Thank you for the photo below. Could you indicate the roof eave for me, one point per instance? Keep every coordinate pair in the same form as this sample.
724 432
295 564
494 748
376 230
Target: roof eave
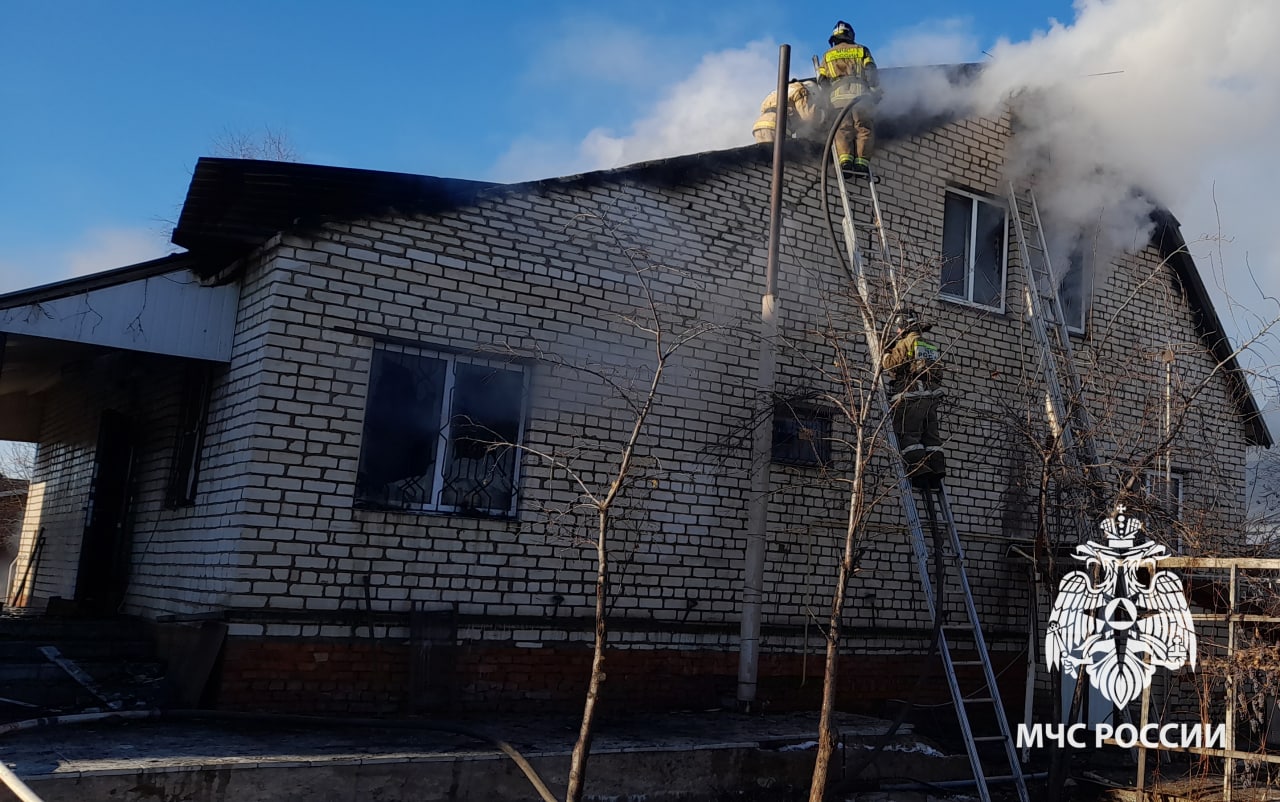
1173 248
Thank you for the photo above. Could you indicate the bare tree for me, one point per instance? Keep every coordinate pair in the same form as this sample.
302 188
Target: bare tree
601 475
858 320
270 144
17 467
17 460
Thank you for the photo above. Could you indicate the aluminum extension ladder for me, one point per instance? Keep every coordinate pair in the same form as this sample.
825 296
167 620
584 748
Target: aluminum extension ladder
951 555
1069 420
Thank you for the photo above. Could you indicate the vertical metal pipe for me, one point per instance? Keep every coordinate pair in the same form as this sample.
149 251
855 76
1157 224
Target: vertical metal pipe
1228 767
775 197
762 442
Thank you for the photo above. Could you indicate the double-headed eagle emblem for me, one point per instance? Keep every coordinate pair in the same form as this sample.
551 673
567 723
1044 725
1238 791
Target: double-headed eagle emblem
1132 620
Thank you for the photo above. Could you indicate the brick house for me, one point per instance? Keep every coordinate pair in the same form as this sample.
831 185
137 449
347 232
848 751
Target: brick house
284 427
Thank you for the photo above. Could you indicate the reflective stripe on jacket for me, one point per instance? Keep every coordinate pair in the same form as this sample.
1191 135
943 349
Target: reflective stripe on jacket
915 366
851 70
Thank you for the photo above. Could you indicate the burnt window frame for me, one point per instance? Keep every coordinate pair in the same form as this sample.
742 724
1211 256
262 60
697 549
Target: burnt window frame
801 414
443 429
1074 272
975 201
1079 263
194 400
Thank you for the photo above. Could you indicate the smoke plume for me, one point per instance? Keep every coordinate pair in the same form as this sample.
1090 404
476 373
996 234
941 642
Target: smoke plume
1146 102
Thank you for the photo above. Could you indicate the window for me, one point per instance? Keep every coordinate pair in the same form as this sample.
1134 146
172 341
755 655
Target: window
1072 258
974 249
1165 494
801 435
439 432
1073 289
193 411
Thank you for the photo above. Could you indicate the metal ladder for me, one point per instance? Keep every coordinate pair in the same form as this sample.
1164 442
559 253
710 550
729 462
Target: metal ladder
937 505
1068 418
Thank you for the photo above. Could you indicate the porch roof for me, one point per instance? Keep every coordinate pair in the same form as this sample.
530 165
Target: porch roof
155 307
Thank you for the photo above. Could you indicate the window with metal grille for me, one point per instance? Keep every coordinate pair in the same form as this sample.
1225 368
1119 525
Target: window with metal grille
974 249
440 433
801 435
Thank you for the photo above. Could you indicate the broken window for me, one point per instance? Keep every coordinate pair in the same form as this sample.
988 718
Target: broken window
193 412
440 432
973 249
1073 289
1071 258
801 435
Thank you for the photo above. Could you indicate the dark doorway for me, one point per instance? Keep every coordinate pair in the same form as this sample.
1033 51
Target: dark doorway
105 550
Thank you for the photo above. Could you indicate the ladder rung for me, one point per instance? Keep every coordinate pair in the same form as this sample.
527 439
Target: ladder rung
977 700
988 738
967 663
1003 777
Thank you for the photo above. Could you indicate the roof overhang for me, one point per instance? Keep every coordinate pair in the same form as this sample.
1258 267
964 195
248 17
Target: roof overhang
158 307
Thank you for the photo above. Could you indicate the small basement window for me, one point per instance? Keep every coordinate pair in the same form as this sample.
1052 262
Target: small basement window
440 433
801 435
974 249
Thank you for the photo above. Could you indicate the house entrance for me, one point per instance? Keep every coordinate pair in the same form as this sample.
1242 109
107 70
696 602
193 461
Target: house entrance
105 548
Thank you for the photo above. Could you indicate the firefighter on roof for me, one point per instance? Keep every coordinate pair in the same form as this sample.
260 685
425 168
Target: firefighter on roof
851 72
805 111
915 371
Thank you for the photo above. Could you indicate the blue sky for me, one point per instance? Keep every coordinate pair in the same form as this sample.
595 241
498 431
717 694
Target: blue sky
107 105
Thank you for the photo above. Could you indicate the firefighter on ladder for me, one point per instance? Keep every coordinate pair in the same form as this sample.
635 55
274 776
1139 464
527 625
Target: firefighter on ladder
851 73
805 111
915 371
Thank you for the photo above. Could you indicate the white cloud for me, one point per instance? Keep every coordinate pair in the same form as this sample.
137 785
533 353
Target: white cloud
594 49
106 248
97 249
713 108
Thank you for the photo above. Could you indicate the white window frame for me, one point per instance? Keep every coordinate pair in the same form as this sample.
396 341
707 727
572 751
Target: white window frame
972 239
452 360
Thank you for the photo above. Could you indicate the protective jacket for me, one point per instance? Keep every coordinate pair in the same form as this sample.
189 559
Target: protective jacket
916 369
852 73
804 105
915 366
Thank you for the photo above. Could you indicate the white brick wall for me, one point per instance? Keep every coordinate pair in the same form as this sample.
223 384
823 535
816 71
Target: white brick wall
523 269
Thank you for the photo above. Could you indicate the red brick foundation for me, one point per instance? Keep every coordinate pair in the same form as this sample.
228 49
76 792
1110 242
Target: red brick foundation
344 676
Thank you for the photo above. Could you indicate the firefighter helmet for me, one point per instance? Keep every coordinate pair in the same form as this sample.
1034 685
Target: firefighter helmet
843 32
907 320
